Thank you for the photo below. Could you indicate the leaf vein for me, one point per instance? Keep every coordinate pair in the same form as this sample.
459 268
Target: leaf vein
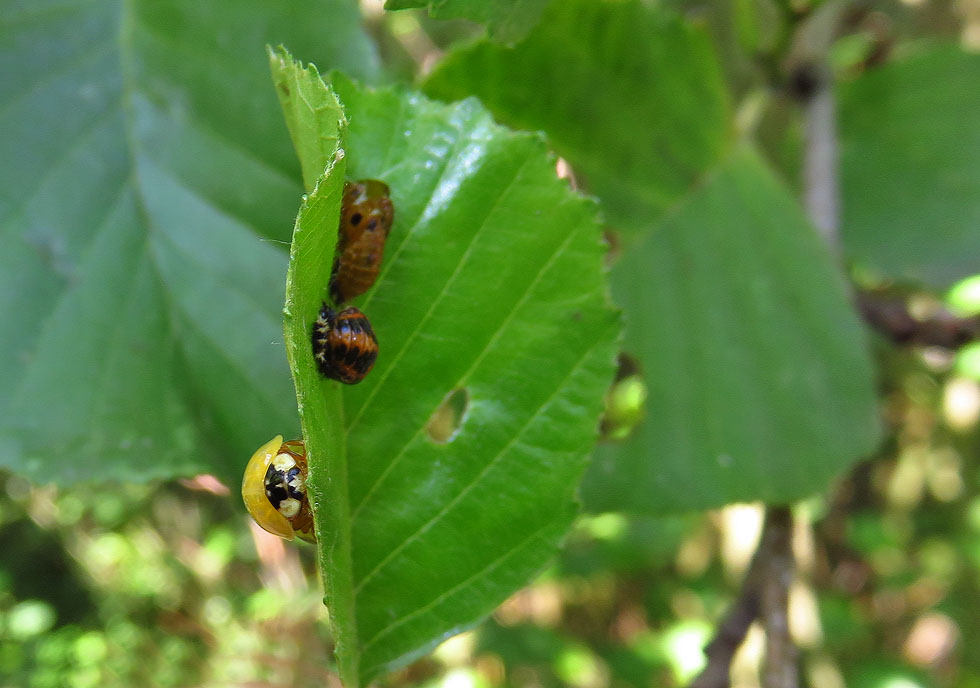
50 320
483 572
559 388
79 140
559 250
91 52
442 293
386 266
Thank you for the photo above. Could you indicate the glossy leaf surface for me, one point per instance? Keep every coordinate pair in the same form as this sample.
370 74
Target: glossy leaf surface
142 161
910 162
632 96
759 385
506 20
492 283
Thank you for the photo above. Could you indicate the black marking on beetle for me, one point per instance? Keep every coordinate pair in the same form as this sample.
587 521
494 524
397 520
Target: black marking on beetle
281 485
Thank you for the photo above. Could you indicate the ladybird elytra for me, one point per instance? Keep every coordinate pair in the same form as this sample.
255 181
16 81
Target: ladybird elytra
274 489
344 345
366 216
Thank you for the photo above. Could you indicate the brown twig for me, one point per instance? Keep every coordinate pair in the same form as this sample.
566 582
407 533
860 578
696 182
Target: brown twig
890 315
780 669
822 196
811 83
763 593
731 632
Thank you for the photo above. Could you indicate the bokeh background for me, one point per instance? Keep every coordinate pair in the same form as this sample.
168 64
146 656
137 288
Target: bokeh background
169 584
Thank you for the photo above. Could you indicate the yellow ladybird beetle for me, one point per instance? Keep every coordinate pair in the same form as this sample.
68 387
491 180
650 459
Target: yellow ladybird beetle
274 489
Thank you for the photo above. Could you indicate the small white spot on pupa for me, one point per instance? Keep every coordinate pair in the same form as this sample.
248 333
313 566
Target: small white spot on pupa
724 460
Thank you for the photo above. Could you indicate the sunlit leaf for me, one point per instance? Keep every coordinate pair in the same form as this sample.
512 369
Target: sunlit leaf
492 283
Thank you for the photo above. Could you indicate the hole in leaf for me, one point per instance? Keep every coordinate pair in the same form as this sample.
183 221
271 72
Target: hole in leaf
447 419
625 401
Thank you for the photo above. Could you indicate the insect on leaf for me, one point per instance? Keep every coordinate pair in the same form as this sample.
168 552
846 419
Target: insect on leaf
491 299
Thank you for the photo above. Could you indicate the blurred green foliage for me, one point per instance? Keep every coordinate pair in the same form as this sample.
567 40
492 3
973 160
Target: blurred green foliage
165 586
147 586
110 584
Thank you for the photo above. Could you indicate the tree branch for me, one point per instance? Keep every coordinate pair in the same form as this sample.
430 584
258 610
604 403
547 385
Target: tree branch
780 669
763 594
889 314
821 195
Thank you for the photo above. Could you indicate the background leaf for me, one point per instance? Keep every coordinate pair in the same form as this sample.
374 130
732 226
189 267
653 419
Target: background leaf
910 163
759 382
506 20
631 95
492 285
144 157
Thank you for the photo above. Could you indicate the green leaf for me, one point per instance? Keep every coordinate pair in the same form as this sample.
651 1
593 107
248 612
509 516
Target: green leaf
311 107
631 95
910 162
759 382
313 115
506 20
143 160
492 291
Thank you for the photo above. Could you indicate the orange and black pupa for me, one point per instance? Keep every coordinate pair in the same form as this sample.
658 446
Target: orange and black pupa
344 345
366 216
